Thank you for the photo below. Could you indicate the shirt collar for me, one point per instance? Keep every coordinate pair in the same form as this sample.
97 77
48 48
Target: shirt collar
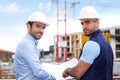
32 38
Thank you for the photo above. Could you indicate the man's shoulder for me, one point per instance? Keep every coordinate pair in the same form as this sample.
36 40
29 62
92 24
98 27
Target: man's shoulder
91 42
24 41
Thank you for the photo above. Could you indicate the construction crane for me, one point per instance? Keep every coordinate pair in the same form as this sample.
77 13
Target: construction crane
65 36
73 6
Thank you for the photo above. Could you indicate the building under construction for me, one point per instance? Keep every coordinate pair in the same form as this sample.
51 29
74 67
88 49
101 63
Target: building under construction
75 42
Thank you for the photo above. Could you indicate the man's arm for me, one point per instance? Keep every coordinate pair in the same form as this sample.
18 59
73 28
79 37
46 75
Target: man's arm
90 52
78 70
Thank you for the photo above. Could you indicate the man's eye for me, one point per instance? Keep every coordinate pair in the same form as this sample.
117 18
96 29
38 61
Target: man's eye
82 23
87 22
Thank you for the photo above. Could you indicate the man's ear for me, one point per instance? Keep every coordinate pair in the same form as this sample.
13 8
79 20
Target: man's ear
97 21
28 26
97 24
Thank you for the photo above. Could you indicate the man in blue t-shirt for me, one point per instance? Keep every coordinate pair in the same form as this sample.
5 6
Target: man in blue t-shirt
96 58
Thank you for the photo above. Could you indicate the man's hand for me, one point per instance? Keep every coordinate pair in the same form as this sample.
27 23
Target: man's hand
53 77
64 74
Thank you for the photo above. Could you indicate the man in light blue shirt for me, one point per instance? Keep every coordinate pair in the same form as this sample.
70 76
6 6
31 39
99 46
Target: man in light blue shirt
27 64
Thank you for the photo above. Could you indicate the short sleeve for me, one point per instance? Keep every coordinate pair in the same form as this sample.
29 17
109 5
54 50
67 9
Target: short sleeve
91 51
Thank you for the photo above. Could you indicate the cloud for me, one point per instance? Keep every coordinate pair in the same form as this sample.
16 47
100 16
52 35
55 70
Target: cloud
48 6
109 21
103 1
43 6
12 8
10 37
9 42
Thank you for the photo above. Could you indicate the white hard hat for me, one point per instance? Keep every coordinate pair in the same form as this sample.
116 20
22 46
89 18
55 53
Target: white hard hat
38 17
88 12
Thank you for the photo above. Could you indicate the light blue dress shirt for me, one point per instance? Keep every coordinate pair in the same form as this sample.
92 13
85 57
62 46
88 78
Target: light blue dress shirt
90 52
27 64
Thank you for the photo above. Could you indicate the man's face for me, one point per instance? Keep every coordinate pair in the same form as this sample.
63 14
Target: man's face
36 29
89 26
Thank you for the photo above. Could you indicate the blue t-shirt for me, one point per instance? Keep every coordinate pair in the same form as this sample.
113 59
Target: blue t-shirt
90 52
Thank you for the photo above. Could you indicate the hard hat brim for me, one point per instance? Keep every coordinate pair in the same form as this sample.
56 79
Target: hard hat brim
39 22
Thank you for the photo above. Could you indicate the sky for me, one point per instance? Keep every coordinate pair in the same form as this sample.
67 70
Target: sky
14 13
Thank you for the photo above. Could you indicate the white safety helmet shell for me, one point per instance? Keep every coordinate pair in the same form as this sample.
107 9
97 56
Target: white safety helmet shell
38 17
88 12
